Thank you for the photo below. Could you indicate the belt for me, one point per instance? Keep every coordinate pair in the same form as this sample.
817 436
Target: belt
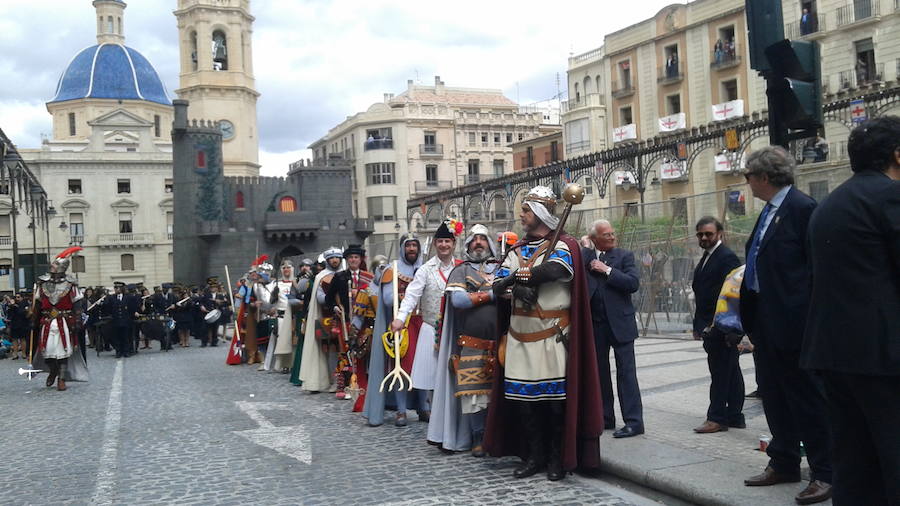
541 313
540 335
53 313
475 342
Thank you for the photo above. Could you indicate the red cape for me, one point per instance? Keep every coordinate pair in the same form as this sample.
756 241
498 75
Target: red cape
584 409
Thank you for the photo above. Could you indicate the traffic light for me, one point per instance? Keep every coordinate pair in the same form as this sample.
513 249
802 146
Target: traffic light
766 27
795 87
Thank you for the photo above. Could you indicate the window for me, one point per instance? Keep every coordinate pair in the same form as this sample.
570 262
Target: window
529 156
287 204
168 185
631 208
484 138
577 93
124 185
625 116
170 224
431 175
377 138
125 223
498 167
577 135
219 50
78 263
818 190
471 138
201 159
673 104
496 139
380 173
588 185
5 228
382 208
127 261
624 68
171 261
71 123
865 61
76 225
430 138
521 136
672 65
509 138
554 151
74 187
473 168
729 90
239 200
156 129
4 188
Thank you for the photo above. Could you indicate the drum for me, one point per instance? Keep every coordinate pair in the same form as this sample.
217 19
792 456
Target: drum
212 316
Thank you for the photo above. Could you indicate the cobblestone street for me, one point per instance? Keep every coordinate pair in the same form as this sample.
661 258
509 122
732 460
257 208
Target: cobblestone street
182 427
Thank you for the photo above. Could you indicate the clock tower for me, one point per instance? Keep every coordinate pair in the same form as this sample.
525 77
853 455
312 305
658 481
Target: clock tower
215 40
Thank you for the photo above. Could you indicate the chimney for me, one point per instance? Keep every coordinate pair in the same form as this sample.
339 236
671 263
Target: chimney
438 86
409 84
181 121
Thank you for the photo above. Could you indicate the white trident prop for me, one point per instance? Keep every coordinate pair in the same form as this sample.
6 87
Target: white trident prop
397 374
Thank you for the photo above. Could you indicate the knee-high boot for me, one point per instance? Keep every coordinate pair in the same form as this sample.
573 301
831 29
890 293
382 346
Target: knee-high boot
532 423
62 365
556 421
54 371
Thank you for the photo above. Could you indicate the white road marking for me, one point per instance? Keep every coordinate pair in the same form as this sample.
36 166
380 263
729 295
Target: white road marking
291 441
106 473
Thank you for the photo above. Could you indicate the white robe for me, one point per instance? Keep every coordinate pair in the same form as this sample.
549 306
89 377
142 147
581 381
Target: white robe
314 371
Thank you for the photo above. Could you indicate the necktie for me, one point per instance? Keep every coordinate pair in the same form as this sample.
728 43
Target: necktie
703 259
355 279
750 270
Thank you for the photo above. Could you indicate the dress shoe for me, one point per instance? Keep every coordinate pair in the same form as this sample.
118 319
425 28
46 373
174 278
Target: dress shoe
771 477
816 491
51 378
738 425
627 431
710 427
400 421
61 386
528 468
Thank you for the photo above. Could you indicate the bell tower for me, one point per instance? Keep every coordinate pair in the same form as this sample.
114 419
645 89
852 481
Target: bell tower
215 39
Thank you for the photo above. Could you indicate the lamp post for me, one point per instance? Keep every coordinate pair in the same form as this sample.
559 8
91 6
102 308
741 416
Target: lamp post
33 250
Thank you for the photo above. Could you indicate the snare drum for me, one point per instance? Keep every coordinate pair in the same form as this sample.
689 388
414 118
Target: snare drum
212 316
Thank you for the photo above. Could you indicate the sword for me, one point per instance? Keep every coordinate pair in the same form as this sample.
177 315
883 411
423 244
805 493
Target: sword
31 372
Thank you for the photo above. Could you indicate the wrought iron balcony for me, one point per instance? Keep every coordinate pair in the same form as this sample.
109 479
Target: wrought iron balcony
472 178
863 76
431 150
582 101
814 25
430 186
379 144
859 10
125 240
5 240
669 74
622 89
726 57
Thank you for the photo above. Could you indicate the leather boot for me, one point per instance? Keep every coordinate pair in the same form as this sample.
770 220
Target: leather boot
531 422
61 368
54 371
554 460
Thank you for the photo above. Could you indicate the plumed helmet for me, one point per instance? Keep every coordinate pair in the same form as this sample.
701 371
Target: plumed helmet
61 263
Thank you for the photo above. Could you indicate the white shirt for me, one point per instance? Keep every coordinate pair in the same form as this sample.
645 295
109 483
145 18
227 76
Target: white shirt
710 252
600 257
417 287
774 204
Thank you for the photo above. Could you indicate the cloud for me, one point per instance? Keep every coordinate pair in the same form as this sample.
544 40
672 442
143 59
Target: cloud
316 61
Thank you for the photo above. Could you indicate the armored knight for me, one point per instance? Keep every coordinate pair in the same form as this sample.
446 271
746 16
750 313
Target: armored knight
55 296
321 334
287 304
263 298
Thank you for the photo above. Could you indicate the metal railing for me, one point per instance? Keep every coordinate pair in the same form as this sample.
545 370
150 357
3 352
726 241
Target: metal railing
727 56
76 239
622 89
862 76
589 100
669 74
379 144
432 186
431 150
5 240
124 239
858 11
472 178
796 29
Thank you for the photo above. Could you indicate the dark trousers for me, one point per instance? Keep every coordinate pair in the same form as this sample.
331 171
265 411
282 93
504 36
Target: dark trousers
865 417
626 378
795 409
726 392
124 335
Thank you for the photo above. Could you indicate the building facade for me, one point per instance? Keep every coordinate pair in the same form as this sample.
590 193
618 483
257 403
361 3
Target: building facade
424 140
216 54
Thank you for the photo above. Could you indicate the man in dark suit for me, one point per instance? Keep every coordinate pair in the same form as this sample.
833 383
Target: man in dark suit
612 278
726 391
122 309
774 302
853 329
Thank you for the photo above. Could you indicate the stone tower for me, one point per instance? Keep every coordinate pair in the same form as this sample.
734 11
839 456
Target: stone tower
215 39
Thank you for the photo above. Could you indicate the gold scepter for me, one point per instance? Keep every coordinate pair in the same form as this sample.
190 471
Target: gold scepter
397 374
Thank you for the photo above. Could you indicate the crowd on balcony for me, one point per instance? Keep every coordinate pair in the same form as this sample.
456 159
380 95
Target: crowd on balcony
377 142
724 51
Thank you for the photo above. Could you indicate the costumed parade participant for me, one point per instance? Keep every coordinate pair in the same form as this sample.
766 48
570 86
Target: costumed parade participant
263 298
426 292
545 402
280 353
380 358
352 298
304 286
467 358
320 336
54 298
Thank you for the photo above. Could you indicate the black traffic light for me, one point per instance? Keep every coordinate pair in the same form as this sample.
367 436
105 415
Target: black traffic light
795 86
766 27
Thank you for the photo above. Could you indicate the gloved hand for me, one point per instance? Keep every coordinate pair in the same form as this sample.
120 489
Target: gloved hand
500 287
547 271
526 294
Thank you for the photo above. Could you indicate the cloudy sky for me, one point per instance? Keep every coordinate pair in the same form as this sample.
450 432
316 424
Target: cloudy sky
318 61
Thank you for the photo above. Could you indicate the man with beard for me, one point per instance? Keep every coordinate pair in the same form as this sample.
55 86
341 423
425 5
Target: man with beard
426 293
351 297
320 341
468 350
379 359
546 392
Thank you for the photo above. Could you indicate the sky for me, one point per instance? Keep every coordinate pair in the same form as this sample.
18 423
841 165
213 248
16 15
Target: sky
316 61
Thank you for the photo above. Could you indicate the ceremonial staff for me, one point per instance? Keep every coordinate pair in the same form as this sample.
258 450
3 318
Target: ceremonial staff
397 374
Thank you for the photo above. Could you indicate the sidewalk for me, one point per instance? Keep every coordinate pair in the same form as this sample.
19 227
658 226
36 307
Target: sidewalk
670 457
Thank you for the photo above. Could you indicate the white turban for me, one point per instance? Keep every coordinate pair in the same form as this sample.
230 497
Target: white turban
538 199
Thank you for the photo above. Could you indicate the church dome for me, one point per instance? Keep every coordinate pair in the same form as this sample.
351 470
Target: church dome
111 71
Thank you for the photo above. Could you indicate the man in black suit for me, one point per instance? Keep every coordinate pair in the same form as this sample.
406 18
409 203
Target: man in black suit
774 302
612 278
726 392
122 309
853 329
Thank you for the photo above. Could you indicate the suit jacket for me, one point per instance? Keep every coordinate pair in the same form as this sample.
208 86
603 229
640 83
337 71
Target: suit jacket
610 296
708 283
854 315
121 312
777 314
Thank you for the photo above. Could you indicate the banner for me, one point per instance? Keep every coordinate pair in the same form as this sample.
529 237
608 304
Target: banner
672 122
621 176
724 162
624 133
728 110
675 169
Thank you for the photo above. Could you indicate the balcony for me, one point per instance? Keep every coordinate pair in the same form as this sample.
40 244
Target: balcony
378 144
622 89
76 239
432 186
669 74
472 178
813 27
860 10
726 57
860 77
580 102
125 240
431 150
5 240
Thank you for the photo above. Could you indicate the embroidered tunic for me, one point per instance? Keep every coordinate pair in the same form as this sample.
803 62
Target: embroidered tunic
535 365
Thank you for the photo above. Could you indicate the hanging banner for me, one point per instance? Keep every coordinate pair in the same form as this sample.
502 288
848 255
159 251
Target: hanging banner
723 163
624 133
621 177
728 110
672 122
676 169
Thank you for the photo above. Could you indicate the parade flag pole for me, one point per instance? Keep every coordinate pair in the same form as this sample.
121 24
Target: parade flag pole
234 352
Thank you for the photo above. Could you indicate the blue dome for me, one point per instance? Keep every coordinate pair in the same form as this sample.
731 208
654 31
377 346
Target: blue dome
110 71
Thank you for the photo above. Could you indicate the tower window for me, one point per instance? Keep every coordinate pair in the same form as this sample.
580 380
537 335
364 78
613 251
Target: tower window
156 129
109 25
71 123
193 43
239 200
123 186
127 261
219 50
287 204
